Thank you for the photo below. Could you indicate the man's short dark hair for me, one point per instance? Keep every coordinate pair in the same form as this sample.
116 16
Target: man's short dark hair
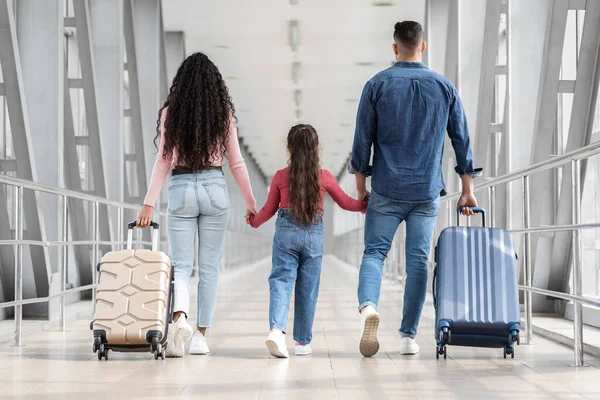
409 34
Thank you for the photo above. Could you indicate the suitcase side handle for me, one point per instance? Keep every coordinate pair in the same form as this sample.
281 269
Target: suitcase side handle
132 225
476 210
433 287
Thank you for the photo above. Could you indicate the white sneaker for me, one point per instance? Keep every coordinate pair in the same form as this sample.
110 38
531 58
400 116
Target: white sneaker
408 346
303 350
276 344
199 345
180 332
369 322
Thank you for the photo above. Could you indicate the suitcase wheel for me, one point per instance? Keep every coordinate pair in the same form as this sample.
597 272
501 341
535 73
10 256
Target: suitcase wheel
102 352
509 350
157 348
440 350
513 337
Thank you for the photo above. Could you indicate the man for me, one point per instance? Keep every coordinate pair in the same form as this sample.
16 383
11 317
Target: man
404 113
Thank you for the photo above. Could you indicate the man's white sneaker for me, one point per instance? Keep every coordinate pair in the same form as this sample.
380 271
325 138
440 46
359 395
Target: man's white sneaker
303 350
369 345
408 346
276 344
199 345
180 332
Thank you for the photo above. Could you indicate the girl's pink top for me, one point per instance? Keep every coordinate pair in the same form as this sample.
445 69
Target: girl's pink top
234 157
279 196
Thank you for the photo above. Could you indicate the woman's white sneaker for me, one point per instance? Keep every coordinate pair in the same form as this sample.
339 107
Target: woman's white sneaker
180 332
276 344
369 322
199 345
303 350
408 346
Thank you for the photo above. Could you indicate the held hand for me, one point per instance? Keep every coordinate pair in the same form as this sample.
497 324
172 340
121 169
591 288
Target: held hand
249 212
467 200
145 216
363 195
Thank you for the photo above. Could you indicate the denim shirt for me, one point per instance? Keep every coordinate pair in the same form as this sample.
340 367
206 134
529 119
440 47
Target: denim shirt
404 113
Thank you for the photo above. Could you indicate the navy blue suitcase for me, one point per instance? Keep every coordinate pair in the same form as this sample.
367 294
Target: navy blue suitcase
475 292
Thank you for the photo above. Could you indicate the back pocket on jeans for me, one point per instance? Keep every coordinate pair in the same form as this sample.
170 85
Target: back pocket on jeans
217 192
177 194
286 238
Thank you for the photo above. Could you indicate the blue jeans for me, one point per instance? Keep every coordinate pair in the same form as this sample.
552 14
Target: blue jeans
297 258
197 203
383 218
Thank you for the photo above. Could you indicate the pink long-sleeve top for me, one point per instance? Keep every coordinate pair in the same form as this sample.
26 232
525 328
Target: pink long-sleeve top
280 192
237 165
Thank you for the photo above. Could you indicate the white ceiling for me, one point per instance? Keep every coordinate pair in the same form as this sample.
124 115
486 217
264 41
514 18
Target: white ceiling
249 41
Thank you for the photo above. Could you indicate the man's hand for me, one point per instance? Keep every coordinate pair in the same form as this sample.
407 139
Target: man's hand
467 200
145 216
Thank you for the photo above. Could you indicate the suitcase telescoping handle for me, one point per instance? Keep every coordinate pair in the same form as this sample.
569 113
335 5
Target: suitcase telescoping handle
476 210
133 224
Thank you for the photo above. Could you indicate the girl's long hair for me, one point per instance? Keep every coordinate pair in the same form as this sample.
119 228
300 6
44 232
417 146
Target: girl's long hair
199 115
305 190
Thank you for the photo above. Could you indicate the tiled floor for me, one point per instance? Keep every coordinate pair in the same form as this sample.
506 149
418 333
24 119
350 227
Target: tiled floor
61 364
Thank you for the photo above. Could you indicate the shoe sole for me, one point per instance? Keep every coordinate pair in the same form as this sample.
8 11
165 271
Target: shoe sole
369 345
199 353
274 349
303 354
409 352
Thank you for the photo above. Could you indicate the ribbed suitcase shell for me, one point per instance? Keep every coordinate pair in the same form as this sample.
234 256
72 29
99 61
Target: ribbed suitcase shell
476 286
133 296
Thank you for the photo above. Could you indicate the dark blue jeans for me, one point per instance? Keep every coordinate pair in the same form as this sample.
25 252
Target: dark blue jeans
383 218
297 259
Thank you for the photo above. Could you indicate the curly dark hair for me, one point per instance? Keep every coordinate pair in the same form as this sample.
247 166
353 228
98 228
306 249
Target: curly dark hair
305 189
200 112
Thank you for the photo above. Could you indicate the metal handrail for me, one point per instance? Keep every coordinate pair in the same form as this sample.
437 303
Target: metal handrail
41 187
588 301
46 299
546 165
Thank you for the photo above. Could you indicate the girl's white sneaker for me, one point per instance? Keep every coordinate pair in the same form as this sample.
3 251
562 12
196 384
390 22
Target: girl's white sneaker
276 344
303 350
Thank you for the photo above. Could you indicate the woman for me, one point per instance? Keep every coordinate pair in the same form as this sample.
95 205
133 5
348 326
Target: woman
196 127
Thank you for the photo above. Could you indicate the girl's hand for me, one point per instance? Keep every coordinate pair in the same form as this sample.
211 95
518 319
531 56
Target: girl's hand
145 216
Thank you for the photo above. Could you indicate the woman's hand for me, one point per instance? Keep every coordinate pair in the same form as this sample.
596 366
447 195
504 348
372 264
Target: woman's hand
145 216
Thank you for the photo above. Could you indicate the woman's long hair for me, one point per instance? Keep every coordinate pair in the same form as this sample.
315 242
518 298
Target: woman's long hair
199 114
305 190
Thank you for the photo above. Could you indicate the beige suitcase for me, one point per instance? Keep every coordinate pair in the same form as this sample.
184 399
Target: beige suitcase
134 299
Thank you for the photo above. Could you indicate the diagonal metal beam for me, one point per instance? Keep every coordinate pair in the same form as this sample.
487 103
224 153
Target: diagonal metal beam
81 9
134 104
580 134
545 125
486 86
79 229
10 63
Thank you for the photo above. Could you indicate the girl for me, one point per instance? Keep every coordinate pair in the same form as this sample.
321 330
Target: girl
197 129
297 191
